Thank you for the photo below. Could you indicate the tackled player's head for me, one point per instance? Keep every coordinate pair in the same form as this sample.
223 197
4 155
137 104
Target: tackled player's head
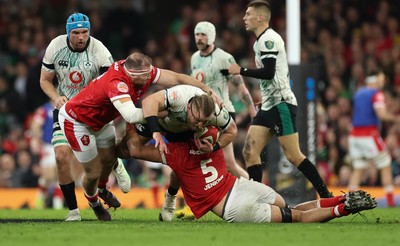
201 108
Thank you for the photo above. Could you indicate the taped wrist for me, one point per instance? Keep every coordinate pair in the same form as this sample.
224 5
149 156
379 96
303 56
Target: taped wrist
152 121
216 147
129 112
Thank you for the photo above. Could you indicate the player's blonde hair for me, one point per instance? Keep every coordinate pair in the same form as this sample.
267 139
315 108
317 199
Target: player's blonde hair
204 103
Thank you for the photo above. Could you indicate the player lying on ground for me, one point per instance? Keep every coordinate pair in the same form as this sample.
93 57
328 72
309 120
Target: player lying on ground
208 186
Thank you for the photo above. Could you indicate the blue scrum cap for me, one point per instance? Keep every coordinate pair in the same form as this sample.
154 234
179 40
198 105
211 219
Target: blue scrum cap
77 20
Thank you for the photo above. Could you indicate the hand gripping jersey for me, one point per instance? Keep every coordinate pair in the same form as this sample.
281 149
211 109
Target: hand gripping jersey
204 178
93 105
207 69
270 45
74 70
177 99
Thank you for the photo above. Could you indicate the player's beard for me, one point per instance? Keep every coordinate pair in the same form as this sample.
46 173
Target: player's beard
79 46
202 47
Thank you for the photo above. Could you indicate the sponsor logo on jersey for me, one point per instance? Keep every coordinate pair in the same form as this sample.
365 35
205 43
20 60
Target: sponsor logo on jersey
85 140
122 87
75 77
196 152
140 127
173 96
200 76
269 44
87 65
63 64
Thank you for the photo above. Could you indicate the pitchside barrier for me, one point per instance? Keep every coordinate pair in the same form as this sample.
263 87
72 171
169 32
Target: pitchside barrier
138 197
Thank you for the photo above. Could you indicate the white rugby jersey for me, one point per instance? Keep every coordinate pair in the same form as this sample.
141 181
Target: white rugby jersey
271 45
74 70
176 101
207 69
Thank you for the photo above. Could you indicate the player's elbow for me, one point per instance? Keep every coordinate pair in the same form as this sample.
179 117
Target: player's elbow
232 129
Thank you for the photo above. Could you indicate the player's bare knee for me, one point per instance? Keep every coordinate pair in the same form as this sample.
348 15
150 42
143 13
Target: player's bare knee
62 155
295 159
92 174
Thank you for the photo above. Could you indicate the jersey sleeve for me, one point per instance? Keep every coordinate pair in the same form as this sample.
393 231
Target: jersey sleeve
175 97
48 59
230 59
192 59
104 55
378 100
155 74
221 119
117 89
268 46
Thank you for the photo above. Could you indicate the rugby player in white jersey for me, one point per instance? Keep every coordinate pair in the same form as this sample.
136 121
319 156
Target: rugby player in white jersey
75 59
189 109
277 115
210 65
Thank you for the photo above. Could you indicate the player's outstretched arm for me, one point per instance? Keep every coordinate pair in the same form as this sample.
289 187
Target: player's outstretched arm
139 151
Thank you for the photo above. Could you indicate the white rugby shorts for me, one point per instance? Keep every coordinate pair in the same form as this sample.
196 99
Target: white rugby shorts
249 201
82 139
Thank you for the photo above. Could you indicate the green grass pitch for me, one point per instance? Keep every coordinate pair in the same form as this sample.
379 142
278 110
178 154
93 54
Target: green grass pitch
140 227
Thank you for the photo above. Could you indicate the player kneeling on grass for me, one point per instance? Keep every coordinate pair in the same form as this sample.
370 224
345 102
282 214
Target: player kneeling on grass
208 186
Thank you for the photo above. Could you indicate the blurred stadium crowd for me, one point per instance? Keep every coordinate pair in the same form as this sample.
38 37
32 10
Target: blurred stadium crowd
344 39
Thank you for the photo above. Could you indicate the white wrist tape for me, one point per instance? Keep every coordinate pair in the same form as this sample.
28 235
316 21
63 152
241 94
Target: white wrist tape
129 112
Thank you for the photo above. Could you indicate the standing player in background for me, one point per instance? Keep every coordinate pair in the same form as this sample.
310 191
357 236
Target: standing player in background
210 65
277 115
365 141
75 59
41 130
